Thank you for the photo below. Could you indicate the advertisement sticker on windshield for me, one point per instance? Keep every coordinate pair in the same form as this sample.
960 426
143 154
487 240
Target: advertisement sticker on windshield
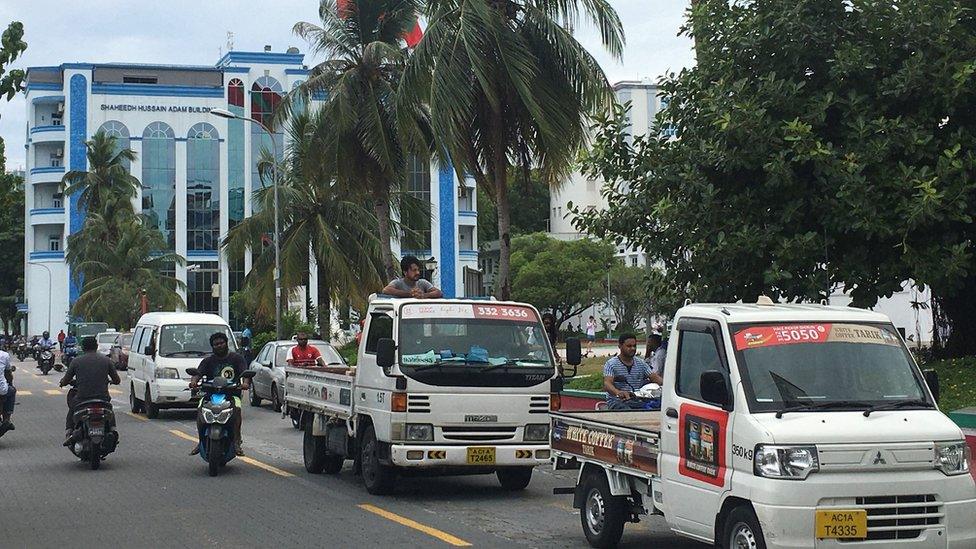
467 310
791 334
504 312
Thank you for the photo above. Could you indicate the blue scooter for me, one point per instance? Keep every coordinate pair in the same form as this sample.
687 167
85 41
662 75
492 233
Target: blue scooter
214 421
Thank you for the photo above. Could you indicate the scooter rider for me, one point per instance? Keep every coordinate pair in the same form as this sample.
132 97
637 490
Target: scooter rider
46 342
230 366
91 373
8 393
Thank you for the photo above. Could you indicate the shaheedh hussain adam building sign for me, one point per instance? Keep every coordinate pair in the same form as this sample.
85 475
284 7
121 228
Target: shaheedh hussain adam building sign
197 171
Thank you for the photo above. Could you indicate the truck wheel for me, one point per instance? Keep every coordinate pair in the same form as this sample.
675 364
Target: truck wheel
378 478
742 530
514 479
135 405
602 514
152 411
313 450
255 400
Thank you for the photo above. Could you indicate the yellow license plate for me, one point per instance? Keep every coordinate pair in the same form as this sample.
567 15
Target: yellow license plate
481 456
842 524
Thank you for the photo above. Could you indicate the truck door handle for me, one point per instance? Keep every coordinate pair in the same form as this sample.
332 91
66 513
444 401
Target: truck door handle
671 412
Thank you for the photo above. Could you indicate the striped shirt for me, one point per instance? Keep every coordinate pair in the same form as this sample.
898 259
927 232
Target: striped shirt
636 376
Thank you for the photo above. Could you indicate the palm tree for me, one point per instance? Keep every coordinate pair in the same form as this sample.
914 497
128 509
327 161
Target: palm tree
364 139
321 217
508 86
116 273
107 187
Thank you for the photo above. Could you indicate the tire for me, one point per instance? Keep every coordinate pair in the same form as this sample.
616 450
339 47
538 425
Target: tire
316 455
296 417
152 410
602 514
215 456
378 478
742 530
94 459
135 405
514 479
275 399
255 400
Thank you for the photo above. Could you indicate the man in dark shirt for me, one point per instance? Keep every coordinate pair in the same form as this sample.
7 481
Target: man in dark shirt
229 366
91 373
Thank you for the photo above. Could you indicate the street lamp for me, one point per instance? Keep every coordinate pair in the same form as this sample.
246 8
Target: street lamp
224 113
50 292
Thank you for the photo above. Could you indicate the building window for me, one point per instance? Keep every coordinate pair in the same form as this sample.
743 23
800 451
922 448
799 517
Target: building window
235 154
265 96
466 238
116 129
54 243
417 223
159 179
202 188
139 80
201 281
56 200
235 282
235 93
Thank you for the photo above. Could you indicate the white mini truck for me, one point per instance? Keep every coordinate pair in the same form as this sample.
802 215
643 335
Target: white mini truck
441 387
781 426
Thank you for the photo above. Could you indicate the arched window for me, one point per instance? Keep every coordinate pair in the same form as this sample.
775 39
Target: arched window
117 130
202 187
235 92
159 179
299 102
265 96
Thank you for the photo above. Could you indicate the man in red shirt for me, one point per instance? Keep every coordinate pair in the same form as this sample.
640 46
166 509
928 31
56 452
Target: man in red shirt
304 355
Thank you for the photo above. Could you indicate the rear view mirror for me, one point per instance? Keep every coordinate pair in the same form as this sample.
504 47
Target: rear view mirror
150 350
385 353
574 355
714 388
193 371
248 374
932 380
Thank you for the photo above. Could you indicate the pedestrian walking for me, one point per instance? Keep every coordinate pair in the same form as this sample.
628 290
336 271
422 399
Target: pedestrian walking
590 335
61 337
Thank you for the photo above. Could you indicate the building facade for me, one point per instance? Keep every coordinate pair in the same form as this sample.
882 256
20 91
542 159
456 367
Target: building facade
197 171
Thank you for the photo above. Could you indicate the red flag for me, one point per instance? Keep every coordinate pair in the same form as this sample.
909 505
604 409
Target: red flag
413 37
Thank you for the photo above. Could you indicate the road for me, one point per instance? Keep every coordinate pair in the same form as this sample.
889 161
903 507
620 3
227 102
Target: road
150 493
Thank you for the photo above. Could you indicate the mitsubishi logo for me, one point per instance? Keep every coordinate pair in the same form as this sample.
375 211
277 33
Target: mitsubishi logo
878 460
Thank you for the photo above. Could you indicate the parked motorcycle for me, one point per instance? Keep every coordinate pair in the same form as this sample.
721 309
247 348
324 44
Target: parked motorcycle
94 436
45 360
215 421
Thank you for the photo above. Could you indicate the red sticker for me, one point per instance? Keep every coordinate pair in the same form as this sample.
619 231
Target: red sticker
787 334
505 312
702 443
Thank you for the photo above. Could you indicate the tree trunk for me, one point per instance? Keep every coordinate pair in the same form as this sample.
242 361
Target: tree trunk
499 173
959 307
324 304
381 208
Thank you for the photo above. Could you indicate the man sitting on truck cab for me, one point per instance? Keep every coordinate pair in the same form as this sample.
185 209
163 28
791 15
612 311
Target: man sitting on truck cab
410 284
304 355
632 367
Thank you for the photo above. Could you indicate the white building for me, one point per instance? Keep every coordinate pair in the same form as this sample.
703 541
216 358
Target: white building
195 170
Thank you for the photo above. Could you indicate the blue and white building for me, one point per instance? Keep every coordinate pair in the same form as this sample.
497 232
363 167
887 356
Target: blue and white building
198 172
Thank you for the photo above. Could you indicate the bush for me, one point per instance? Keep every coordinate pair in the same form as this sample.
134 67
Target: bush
592 382
349 352
957 381
259 340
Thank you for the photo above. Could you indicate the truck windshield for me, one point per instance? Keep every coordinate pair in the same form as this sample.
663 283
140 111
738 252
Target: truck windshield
825 366
466 344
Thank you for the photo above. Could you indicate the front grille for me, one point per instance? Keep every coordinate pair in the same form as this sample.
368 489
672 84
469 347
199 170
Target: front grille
479 433
899 517
418 404
539 405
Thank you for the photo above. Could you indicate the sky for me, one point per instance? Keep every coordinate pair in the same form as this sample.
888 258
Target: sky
195 33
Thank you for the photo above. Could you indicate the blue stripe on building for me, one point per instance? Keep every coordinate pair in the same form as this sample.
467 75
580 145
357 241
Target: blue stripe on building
448 227
79 159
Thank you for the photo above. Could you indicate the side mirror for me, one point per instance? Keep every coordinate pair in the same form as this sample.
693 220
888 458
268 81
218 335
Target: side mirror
247 375
150 350
714 388
932 380
385 353
193 371
574 354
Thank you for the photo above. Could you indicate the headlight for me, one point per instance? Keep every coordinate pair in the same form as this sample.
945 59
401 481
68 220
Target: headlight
536 431
952 458
786 462
420 431
208 416
167 373
224 415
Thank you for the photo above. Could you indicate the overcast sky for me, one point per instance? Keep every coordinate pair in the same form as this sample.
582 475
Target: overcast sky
195 33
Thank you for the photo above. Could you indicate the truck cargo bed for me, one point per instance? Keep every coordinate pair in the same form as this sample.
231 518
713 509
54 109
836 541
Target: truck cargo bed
649 421
626 441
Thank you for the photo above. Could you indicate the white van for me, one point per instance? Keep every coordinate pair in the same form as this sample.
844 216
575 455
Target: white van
164 346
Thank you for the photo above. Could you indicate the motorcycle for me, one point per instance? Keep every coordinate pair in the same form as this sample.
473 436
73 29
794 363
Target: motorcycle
94 436
214 421
22 351
45 360
69 354
648 396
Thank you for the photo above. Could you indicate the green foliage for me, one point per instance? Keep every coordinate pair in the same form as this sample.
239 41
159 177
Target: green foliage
529 199
628 295
350 353
12 45
509 85
11 246
590 382
817 144
107 187
260 339
957 381
558 276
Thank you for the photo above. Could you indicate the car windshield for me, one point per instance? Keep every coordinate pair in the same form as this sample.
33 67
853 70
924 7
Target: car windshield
479 338
107 338
190 339
828 365
329 354
126 340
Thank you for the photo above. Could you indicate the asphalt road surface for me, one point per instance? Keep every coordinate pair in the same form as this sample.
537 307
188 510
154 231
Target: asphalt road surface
150 493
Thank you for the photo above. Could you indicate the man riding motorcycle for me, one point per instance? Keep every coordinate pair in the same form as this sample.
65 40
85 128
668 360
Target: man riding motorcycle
91 373
230 366
8 393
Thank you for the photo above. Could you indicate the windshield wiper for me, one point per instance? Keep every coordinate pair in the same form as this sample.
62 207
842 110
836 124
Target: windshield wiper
513 363
190 353
822 406
897 404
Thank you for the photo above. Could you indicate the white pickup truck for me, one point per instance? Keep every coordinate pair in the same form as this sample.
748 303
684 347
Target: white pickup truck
782 426
441 387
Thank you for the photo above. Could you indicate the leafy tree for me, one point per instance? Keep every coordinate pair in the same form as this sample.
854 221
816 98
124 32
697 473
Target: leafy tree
529 200
319 215
508 85
817 144
11 246
12 45
628 294
365 139
107 187
561 277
